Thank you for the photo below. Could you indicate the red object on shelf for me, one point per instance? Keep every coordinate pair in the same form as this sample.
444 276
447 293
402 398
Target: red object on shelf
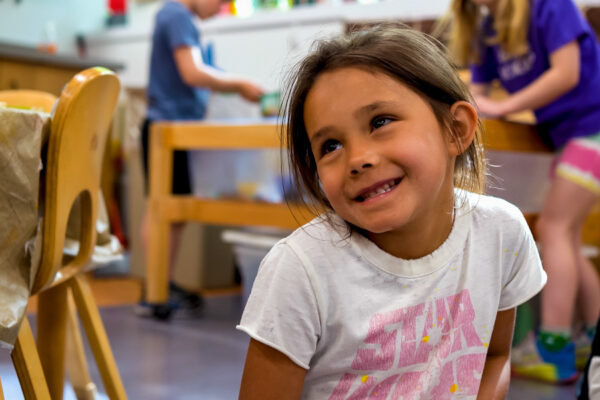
117 7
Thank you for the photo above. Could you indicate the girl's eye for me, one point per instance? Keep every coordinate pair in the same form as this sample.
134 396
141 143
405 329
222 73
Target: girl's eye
378 122
330 145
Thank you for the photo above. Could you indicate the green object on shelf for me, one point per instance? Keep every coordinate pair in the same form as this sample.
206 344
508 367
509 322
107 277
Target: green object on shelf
270 104
523 323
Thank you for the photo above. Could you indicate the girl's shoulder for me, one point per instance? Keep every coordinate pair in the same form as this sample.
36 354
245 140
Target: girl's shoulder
311 245
326 227
494 210
546 10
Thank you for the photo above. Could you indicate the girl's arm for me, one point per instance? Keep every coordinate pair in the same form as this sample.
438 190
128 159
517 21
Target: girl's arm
561 77
496 372
479 89
270 374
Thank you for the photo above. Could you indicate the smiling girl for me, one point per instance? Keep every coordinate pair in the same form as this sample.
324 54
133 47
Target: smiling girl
406 287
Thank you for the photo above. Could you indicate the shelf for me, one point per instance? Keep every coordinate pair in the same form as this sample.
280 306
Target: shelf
232 212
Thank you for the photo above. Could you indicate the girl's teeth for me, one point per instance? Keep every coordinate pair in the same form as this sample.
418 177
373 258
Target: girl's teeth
385 188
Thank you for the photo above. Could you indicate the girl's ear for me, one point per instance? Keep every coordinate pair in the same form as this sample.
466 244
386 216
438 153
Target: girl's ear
464 126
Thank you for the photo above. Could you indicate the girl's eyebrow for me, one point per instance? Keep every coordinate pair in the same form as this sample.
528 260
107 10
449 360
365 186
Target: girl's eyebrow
369 108
321 132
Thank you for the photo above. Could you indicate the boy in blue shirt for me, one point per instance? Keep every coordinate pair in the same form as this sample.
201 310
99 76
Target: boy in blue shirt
179 86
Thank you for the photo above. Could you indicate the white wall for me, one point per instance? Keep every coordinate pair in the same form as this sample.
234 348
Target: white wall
23 23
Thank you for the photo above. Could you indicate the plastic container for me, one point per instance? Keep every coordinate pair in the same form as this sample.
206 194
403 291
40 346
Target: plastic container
243 174
249 248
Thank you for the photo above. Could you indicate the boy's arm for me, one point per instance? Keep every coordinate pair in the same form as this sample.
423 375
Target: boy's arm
561 77
270 374
195 73
496 372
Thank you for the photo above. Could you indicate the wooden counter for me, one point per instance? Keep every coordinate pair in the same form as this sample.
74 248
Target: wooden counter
26 68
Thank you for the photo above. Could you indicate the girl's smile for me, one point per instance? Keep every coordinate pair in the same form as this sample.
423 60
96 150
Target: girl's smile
384 162
377 190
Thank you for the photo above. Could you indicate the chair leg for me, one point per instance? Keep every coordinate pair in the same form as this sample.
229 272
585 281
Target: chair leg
28 365
76 363
1 391
51 331
94 329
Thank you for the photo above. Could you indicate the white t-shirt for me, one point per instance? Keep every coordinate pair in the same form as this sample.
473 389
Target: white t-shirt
366 323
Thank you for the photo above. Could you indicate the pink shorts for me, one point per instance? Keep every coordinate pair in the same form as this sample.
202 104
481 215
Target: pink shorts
579 162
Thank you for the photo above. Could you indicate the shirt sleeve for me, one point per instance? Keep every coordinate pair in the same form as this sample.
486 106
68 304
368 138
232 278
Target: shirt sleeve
180 31
524 276
282 310
486 71
559 22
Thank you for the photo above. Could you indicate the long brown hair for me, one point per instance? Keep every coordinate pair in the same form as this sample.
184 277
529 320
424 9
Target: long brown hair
511 23
412 58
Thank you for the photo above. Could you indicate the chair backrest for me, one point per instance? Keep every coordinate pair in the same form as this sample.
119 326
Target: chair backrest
33 99
77 140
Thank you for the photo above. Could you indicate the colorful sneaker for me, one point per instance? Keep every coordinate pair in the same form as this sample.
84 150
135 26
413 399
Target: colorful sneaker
525 352
583 348
531 360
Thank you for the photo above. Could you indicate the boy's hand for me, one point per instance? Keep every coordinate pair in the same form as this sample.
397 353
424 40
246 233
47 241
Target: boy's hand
250 91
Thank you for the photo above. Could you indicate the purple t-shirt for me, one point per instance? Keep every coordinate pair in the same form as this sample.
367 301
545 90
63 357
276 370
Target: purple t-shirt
554 23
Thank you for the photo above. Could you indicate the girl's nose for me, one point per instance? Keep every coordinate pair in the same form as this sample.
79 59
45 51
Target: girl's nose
363 161
357 170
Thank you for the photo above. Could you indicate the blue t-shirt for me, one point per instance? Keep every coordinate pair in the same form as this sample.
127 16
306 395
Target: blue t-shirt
169 97
554 23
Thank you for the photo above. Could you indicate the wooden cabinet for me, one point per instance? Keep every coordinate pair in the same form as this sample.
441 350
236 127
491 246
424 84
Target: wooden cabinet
24 75
26 68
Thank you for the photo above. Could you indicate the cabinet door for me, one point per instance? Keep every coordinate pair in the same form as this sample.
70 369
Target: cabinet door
17 76
267 54
21 75
53 79
133 52
264 54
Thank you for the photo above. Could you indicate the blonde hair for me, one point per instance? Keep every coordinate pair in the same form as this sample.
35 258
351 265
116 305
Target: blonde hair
511 23
411 57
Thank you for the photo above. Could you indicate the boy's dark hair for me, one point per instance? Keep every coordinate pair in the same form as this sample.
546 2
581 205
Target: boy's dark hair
409 56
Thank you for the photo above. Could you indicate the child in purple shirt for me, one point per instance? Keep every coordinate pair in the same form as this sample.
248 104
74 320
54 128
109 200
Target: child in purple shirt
547 57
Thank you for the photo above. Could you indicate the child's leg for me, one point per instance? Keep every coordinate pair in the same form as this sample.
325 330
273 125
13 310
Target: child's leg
566 207
588 291
553 355
574 191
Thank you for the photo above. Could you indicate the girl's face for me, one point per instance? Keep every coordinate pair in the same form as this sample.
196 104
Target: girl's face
487 3
383 160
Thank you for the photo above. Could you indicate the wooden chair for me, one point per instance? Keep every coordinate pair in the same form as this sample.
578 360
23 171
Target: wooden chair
76 363
77 137
33 99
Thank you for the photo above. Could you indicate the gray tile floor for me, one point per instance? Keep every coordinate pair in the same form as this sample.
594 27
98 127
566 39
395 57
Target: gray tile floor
198 358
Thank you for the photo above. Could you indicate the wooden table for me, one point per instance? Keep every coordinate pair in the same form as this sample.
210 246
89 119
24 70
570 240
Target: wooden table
165 208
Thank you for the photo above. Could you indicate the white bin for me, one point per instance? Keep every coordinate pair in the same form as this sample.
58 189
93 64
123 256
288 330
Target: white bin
246 174
249 248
